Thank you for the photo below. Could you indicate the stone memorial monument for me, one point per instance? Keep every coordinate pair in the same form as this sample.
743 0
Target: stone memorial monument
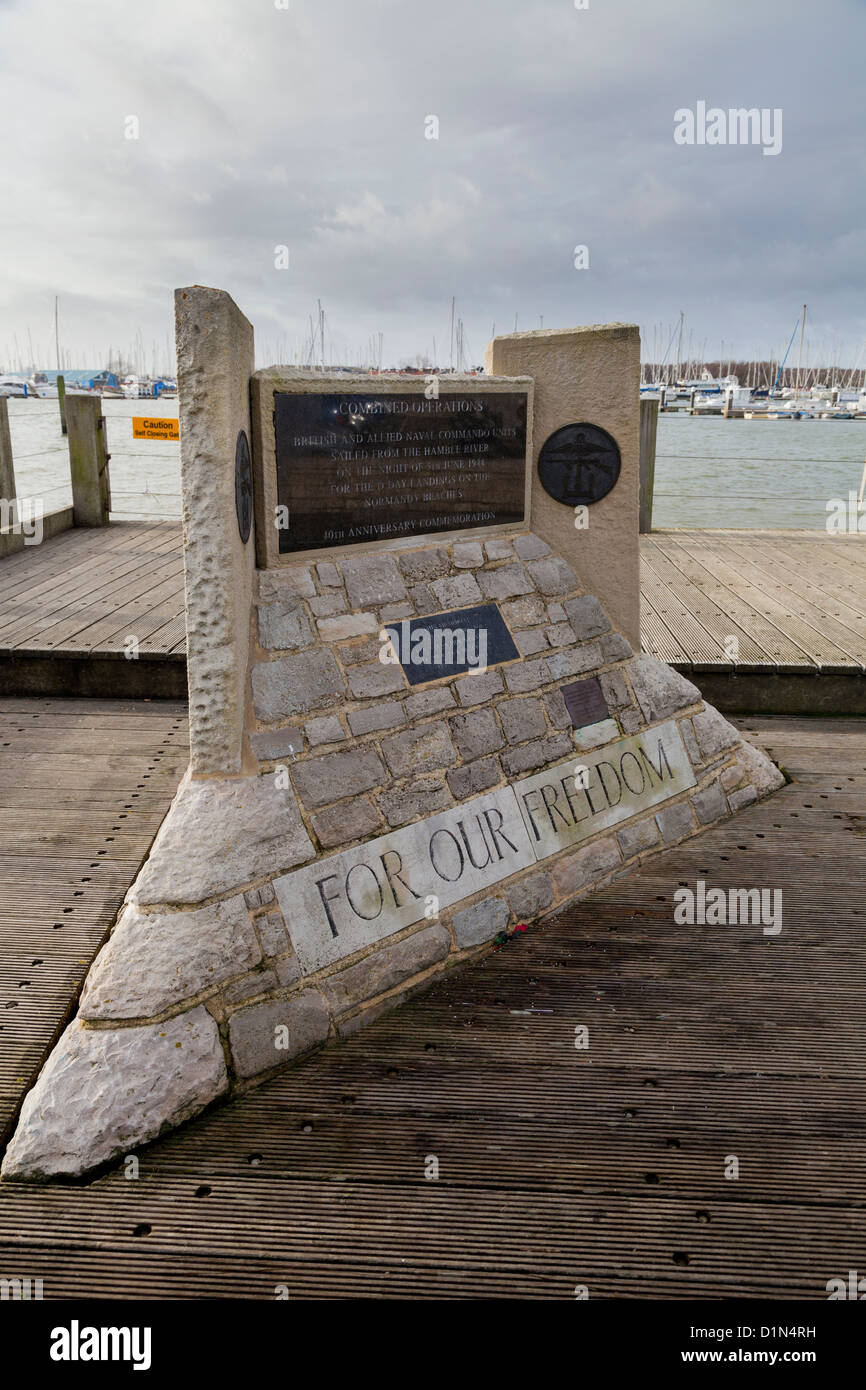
419 715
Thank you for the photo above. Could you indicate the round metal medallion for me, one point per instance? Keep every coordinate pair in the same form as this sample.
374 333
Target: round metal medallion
243 486
579 464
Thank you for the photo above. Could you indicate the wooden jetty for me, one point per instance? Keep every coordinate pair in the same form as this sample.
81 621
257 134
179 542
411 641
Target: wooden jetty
791 605
84 786
557 1167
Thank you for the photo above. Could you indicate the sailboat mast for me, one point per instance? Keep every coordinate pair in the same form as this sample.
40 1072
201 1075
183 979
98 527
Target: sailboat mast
800 353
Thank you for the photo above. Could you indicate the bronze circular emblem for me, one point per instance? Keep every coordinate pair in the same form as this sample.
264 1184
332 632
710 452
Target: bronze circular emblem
579 464
243 486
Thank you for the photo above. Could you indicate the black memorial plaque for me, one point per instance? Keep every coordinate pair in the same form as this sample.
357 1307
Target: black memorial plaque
448 644
579 464
585 702
243 486
355 467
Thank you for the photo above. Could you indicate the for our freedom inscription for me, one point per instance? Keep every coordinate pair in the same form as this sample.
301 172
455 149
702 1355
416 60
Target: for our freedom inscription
354 467
351 900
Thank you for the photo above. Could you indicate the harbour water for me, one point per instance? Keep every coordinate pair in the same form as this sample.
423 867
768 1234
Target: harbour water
709 471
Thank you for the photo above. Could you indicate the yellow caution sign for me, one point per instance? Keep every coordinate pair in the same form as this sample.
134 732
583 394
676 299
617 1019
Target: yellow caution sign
143 427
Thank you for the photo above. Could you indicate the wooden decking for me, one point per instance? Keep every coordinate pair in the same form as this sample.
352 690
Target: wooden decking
557 1167
69 606
84 786
785 601
757 616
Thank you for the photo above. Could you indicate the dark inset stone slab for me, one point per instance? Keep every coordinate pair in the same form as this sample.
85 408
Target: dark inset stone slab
449 644
585 702
361 467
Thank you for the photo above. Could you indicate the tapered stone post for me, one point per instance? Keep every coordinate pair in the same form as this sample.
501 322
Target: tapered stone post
587 376
215 361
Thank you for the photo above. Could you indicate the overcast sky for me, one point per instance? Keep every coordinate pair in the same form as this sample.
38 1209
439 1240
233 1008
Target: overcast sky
305 127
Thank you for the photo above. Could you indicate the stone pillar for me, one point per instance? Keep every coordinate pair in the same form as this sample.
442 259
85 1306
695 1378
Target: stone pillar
215 361
7 472
88 461
588 376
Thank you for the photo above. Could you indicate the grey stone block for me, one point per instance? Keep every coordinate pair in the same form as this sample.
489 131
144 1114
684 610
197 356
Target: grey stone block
586 866
744 797
614 689
556 613
461 591
423 599
560 634
276 584
525 612
374 717
356 652
710 804
387 969
574 662
324 605
284 625
421 565
506 582
219 836
326 729
376 679
423 797
296 684
372 580
467 556
531 547
480 923
351 820
288 969
260 982
526 675
419 750
691 742
106 1091
630 720
615 647
476 734
395 612
328 575
256 1031
473 778
428 702
345 625
640 836
499 549
478 688
557 712
334 776
586 616
279 743
553 576
537 754
532 641
522 719
155 961
760 769
674 822
713 732
660 690
272 933
530 896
